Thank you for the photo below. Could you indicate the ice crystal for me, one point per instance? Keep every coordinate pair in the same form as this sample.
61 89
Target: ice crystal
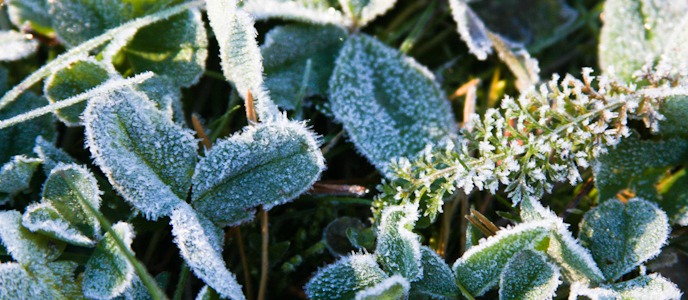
528 275
148 159
17 283
15 45
345 278
108 272
389 104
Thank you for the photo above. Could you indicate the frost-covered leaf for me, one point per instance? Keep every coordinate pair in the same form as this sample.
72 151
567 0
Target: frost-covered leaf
180 55
50 155
620 167
622 236
16 45
651 286
241 61
199 245
364 11
139 291
479 268
62 276
147 158
392 288
25 246
310 11
398 248
108 272
471 29
18 140
389 104
17 283
34 13
72 80
64 214
344 278
528 275
15 175
674 197
166 95
267 164
437 280
575 262
289 51
675 112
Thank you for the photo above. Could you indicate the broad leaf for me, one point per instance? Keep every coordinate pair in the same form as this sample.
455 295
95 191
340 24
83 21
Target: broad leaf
147 158
651 286
267 164
392 288
344 278
108 272
15 176
65 212
241 61
361 12
310 11
389 104
437 280
16 45
166 95
200 246
63 279
17 283
479 268
299 60
25 246
72 80
50 155
528 275
34 13
622 236
398 248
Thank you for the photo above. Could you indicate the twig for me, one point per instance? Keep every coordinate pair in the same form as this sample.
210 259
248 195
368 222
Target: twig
320 188
264 266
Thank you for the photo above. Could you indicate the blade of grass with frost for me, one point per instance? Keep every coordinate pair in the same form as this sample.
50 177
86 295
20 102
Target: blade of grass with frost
242 63
389 104
362 12
480 267
652 286
392 288
16 45
24 246
345 278
15 175
623 236
315 12
199 245
437 280
62 213
81 50
102 89
398 248
528 275
147 158
286 52
108 272
268 164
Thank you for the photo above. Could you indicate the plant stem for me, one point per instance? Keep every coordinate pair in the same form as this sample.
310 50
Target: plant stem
464 291
264 266
244 264
181 283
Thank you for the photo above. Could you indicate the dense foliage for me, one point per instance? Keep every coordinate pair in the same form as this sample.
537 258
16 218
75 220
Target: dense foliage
384 152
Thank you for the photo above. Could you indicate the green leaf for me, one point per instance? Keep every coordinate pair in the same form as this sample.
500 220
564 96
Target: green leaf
148 159
364 11
17 283
50 155
267 164
15 175
479 268
64 214
30 12
620 167
63 278
674 198
200 246
18 140
308 11
16 45
25 246
344 278
287 51
78 77
622 236
651 286
398 248
437 280
392 288
528 275
389 104
166 95
241 61
108 272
